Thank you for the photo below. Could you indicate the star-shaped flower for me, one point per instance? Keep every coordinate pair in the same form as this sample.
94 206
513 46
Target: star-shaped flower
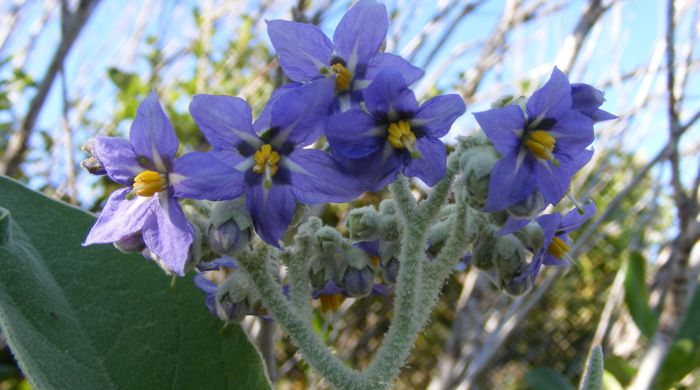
395 135
555 245
543 147
154 181
267 160
352 59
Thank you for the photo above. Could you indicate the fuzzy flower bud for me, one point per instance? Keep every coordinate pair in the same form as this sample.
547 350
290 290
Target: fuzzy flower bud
390 271
509 257
227 238
528 207
358 282
232 298
363 223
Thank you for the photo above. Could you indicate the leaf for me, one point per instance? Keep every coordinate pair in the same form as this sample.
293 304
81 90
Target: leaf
610 382
682 358
92 318
620 368
637 296
593 377
546 378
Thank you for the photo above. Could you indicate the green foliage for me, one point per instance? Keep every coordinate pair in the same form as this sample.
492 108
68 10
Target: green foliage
637 296
91 318
684 355
546 378
620 369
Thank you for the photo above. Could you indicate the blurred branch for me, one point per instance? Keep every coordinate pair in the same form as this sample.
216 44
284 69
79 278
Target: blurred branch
513 14
14 154
573 43
676 302
8 22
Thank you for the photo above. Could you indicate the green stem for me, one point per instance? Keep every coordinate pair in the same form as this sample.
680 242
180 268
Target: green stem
299 329
300 285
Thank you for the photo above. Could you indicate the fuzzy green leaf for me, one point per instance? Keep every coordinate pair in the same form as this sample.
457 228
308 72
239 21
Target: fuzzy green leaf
92 318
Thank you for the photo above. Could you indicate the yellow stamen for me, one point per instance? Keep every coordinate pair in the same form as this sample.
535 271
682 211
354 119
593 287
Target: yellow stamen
401 137
331 302
558 248
266 160
374 260
541 144
148 183
343 77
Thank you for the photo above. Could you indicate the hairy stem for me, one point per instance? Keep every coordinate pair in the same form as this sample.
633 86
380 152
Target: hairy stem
314 351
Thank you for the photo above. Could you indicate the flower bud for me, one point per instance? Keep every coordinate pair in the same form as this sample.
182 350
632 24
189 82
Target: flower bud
509 257
92 164
531 235
232 298
363 223
388 207
131 243
482 256
477 164
227 238
528 207
229 310
390 271
329 239
518 285
358 282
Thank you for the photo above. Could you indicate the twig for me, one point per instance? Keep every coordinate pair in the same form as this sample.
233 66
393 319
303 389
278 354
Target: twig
17 146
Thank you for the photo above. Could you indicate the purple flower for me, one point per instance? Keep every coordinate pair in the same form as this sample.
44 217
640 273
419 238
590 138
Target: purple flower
209 287
396 135
555 246
352 58
267 161
155 180
587 100
543 147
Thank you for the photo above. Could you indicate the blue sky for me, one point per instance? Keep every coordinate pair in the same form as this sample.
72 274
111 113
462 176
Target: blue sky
101 45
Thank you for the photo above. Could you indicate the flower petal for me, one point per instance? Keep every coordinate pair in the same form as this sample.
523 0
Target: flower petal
553 182
355 133
511 181
388 96
118 158
553 99
303 49
504 127
264 120
382 61
436 116
225 121
152 136
431 165
375 171
199 175
317 178
573 219
361 32
272 211
169 234
298 114
573 132
586 100
120 217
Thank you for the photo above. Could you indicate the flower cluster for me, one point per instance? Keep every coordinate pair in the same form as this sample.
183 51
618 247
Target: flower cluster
348 122
346 90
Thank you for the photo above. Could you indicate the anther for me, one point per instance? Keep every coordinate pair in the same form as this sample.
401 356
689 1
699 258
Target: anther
148 183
